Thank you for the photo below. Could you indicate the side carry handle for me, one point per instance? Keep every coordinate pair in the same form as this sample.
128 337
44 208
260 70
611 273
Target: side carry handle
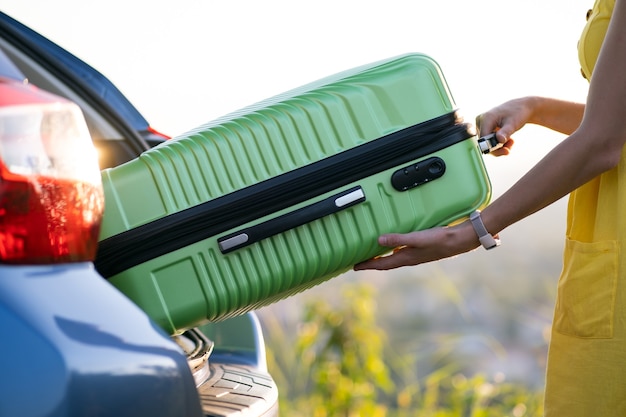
489 143
280 224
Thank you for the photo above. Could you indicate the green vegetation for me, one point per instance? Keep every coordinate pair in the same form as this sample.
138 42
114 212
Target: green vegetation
339 362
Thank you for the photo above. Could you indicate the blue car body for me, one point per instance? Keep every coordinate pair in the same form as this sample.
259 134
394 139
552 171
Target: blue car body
75 346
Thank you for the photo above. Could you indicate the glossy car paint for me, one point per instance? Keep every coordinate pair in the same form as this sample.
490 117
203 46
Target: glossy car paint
93 351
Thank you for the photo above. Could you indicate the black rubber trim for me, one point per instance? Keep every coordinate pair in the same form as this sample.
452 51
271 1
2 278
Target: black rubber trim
167 234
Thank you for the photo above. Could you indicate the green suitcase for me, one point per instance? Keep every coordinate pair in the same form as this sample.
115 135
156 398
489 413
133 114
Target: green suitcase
287 193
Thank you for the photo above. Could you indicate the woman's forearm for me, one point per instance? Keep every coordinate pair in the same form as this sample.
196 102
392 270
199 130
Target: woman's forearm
565 168
559 115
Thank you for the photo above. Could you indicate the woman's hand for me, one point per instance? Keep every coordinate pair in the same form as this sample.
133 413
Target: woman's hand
509 117
505 120
423 246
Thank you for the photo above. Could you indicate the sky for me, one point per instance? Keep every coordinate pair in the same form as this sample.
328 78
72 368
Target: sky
188 62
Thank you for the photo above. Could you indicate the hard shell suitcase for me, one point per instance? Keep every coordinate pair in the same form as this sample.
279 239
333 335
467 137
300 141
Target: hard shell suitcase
287 193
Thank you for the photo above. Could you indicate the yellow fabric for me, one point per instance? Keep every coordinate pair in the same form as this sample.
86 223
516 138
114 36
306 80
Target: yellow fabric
593 35
586 373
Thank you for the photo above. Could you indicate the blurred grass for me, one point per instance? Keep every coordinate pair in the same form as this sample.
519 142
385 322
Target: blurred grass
339 361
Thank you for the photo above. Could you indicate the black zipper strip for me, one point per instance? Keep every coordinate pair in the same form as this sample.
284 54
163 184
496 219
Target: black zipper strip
175 231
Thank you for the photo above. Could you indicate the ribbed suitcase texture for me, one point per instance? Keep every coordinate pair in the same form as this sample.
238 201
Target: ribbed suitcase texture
270 200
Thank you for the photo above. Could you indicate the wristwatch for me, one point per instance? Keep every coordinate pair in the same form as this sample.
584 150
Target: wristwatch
484 237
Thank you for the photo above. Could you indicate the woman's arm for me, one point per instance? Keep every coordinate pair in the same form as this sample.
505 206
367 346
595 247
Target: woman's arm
592 149
507 118
559 115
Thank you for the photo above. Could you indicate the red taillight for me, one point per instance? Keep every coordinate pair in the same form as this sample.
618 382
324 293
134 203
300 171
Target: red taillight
158 134
51 200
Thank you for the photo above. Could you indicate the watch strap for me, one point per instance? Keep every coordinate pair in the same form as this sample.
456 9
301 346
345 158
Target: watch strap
484 237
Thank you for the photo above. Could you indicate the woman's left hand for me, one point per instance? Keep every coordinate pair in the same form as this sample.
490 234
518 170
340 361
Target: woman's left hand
422 246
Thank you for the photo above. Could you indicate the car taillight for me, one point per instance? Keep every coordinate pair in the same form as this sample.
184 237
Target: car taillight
51 199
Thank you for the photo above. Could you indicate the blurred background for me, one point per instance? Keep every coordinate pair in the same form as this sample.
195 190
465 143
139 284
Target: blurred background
187 62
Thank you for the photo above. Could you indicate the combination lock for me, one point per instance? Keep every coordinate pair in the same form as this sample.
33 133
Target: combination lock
418 173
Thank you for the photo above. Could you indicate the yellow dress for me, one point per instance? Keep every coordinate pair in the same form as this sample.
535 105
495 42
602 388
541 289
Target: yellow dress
586 373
